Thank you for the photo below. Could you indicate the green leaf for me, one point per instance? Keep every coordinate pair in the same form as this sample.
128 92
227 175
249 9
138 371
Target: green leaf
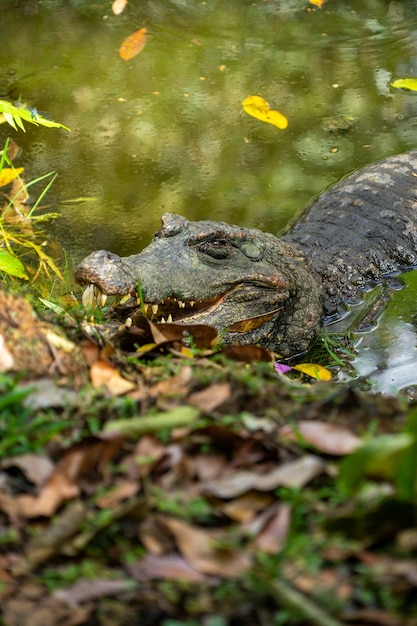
405 84
137 426
378 459
14 115
11 265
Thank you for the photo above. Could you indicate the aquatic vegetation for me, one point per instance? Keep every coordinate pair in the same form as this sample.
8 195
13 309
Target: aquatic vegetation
15 114
20 241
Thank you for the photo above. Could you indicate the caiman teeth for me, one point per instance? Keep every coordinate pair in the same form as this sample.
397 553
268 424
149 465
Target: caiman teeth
173 310
92 296
125 299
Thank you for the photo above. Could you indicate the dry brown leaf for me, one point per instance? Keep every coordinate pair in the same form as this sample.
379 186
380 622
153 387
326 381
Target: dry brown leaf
104 374
145 331
154 536
206 466
123 490
273 536
174 386
91 352
83 462
7 583
85 590
328 438
101 372
247 354
58 489
147 452
212 397
199 547
164 567
6 358
292 474
36 468
244 508
325 581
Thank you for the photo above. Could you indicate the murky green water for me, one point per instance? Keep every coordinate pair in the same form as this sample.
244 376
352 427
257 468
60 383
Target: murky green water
165 131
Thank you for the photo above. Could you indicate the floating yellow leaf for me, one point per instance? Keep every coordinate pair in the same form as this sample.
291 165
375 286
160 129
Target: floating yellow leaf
314 370
8 174
258 107
408 84
317 3
133 44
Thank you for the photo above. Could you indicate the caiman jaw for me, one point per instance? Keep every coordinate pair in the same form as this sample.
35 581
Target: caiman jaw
171 309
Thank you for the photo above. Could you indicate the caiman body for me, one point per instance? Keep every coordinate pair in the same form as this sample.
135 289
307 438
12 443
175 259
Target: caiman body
258 288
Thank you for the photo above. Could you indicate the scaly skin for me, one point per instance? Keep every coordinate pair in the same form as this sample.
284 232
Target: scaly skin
256 288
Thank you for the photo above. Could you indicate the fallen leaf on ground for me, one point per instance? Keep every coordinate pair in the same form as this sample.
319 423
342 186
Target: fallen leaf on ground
292 474
122 491
164 567
104 374
328 438
6 357
314 370
273 536
211 398
35 467
244 508
85 590
200 549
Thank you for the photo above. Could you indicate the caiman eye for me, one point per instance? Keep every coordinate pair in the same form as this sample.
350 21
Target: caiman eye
217 249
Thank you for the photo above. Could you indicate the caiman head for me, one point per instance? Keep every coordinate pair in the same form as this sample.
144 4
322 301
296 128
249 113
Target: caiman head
251 286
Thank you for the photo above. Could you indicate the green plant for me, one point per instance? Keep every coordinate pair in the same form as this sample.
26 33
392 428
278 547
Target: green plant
15 114
20 242
22 430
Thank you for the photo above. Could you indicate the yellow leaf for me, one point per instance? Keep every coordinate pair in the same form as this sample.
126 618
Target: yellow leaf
317 3
258 107
146 347
408 84
133 44
314 370
8 174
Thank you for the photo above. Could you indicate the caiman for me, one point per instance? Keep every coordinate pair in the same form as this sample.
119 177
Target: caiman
255 288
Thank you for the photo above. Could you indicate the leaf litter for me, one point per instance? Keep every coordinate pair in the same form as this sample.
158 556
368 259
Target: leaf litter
184 464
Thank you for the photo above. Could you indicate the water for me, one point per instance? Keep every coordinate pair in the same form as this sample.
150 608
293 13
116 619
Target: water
165 131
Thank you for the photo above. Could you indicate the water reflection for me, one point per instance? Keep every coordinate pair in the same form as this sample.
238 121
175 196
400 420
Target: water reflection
388 357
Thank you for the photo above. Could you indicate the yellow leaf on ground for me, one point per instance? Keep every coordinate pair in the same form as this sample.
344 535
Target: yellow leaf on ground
259 108
133 45
314 370
8 174
317 3
408 84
